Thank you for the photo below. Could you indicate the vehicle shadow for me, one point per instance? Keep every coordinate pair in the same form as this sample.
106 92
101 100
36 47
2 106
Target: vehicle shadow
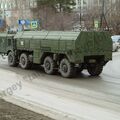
37 71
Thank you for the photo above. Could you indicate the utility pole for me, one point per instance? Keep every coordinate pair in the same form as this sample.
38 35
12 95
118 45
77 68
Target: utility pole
111 11
102 13
80 14
103 18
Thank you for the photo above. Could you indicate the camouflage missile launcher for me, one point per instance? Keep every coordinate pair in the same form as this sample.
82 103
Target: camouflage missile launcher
65 52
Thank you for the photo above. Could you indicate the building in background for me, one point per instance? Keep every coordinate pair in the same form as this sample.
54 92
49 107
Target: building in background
89 4
13 10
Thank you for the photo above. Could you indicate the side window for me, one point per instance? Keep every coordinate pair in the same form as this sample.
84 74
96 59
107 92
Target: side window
9 42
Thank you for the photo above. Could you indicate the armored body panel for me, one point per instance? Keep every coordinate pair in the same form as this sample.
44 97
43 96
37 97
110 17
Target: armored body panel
40 42
75 45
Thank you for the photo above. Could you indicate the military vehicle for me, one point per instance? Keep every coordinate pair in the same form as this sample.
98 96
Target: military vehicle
65 52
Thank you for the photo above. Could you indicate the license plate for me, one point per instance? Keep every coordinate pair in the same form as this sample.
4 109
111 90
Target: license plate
92 61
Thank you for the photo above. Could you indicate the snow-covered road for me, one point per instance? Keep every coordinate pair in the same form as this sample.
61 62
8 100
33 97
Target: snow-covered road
81 98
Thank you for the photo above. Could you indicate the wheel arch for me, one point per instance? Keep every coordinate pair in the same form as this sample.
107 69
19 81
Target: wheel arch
56 56
9 51
19 52
44 55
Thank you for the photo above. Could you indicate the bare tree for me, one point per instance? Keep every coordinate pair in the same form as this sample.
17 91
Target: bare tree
112 16
52 18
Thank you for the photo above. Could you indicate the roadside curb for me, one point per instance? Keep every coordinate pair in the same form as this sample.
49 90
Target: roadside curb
41 109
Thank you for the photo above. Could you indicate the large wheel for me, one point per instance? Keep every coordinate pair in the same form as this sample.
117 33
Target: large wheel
95 69
79 69
12 59
24 61
49 65
66 68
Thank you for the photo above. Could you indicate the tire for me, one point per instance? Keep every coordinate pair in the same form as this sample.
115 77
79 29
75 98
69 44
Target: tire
49 65
66 68
79 69
95 69
24 61
12 60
